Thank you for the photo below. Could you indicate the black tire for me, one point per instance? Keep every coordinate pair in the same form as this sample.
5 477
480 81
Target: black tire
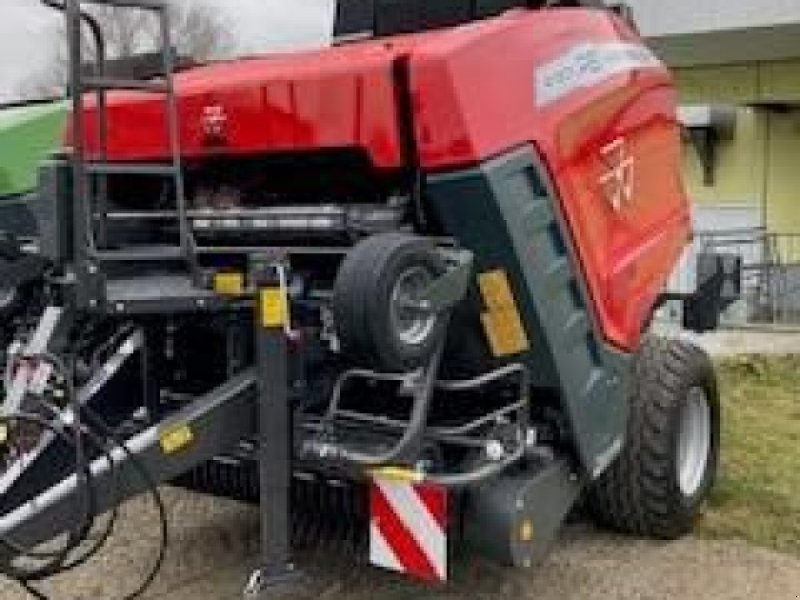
362 302
641 493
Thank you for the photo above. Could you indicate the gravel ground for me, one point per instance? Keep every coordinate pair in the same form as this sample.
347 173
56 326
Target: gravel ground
214 544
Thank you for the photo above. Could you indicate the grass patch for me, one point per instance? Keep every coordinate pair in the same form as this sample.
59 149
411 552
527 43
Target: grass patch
757 497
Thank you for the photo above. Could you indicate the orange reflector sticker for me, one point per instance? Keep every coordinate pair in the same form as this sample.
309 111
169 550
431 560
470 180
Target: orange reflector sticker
502 322
526 531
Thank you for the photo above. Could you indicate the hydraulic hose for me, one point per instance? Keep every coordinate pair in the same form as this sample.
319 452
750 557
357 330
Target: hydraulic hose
83 426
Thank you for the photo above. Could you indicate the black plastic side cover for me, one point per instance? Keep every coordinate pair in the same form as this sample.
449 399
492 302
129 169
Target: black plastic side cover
506 212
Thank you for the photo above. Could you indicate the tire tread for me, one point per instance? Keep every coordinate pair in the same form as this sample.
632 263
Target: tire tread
637 494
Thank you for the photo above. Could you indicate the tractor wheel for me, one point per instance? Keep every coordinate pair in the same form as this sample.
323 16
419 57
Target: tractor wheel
376 301
658 484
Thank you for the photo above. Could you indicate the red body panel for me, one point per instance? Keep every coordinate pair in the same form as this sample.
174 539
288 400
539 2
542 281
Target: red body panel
626 252
608 137
328 99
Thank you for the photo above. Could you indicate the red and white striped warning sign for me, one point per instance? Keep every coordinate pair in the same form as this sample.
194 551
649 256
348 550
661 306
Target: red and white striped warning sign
408 529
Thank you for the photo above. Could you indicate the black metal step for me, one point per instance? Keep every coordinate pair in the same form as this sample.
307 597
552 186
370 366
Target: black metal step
156 5
108 83
108 168
143 215
159 294
142 254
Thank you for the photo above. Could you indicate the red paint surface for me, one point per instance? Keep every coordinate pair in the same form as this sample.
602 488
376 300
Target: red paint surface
473 98
435 500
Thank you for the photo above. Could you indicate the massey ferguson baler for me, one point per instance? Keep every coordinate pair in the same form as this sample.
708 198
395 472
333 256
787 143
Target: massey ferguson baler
396 290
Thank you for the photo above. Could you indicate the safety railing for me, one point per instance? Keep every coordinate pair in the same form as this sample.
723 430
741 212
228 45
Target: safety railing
770 270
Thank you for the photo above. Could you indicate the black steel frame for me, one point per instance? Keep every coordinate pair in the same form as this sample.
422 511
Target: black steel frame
411 434
274 437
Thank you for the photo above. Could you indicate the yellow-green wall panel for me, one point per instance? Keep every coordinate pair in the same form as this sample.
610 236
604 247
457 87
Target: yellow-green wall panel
739 174
780 81
761 164
783 198
776 82
730 84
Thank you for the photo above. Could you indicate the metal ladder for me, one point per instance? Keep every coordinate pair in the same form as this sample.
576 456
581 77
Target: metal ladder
90 183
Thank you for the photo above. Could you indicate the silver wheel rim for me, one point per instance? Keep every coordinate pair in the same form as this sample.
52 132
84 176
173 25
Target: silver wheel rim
694 444
411 321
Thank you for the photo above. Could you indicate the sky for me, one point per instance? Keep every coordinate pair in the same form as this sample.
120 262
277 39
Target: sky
28 31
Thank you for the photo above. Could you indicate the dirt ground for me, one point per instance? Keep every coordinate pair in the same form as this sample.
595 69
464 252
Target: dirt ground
214 545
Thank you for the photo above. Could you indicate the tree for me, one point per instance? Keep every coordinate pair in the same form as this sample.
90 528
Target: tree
198 32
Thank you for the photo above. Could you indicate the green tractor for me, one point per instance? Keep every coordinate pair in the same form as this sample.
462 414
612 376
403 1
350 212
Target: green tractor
28 132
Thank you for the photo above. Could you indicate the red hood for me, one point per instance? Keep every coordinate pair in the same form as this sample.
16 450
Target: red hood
332 98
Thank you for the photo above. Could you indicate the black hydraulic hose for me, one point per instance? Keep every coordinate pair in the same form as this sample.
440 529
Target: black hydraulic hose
152 485
76 536
100 542
33 591
57 564
57 561
81 462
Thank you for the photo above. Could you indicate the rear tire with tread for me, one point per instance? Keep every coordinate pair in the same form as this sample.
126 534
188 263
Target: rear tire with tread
641 492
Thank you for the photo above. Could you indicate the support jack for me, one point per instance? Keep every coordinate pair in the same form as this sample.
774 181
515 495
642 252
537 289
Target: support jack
268 583
277 576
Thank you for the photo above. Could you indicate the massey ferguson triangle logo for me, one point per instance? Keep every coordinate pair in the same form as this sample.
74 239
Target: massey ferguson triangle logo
619 174
214 122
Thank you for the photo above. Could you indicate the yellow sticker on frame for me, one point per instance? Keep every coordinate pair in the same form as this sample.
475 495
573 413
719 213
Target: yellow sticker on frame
229 283
176 438
502 322
274 308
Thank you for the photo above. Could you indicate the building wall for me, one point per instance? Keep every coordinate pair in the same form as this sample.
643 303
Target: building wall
744 53
783 171
689 16
756 83
761 164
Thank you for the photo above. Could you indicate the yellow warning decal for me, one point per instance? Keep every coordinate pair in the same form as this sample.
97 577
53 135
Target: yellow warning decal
526 531
274 307
175 438
229 283
398 474
502 322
